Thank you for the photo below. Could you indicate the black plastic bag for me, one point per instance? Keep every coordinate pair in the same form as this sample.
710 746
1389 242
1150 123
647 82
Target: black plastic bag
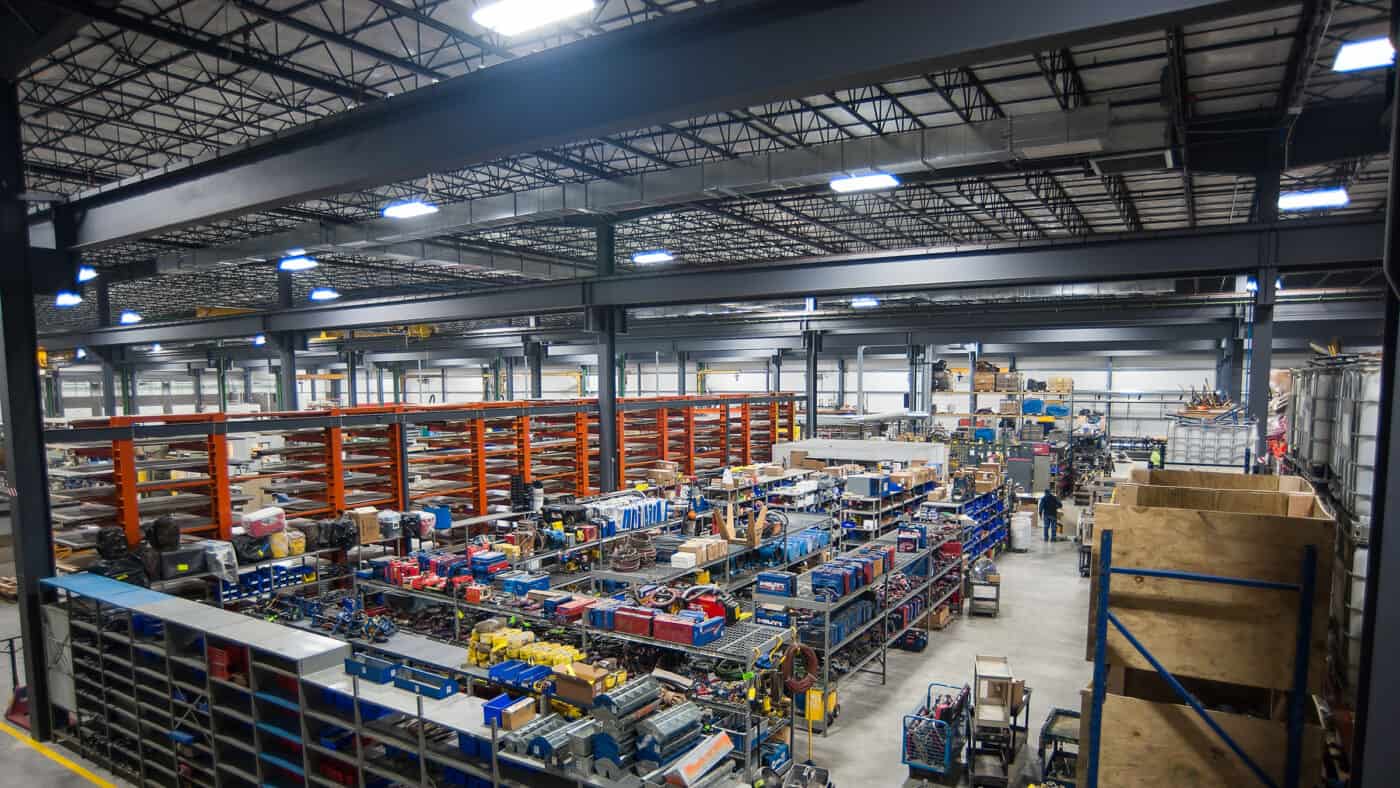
251 549
129 569
163 534
111 544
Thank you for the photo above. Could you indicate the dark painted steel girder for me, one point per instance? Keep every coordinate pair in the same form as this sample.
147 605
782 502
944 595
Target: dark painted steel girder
705 60
1295 245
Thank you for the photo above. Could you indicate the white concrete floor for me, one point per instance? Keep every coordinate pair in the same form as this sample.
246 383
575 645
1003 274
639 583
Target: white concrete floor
1041 629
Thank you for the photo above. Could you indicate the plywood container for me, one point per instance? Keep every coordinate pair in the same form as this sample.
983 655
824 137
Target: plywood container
1219 480
1207 630
1146 744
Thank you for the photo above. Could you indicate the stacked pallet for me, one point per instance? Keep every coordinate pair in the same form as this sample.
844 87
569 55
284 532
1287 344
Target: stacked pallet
1231 646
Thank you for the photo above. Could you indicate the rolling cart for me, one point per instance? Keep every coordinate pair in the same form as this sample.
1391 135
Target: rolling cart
934 735
1059 737
999 722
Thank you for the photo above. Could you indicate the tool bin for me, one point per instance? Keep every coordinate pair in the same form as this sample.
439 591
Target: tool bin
379 671
707 631
634 620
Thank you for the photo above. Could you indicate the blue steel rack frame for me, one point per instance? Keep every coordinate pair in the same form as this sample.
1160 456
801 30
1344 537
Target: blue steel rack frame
1297 696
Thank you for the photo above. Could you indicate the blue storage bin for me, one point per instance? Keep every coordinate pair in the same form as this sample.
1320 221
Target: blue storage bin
1057 410
708 631
1032 407
984 434
491 712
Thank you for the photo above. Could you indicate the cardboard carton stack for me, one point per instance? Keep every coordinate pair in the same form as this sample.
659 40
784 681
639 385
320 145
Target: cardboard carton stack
987 478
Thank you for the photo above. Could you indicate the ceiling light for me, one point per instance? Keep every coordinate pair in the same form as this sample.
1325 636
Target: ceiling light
80 354
864 302
297 252
1314 199
409 209
809 304
129 317
67 298
259 340
155 348
1251 285
324 294
298 263
512 17
864 183
1361 55
653 256
86 273
1278 284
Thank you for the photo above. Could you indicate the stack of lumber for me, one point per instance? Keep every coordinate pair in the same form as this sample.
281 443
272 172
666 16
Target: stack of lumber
1231 646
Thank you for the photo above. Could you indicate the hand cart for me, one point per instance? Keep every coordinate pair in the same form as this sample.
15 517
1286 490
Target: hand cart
1060 737
984 598
1000 718
935 733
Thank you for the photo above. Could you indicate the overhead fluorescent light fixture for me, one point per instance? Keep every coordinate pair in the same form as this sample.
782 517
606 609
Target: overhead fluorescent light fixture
513 17
86 273
129 318
864 302
1314 199
155 348
324 294
409 209
298 263
809 304
1362 55
864 183
653 256
259 340
297 252
67 298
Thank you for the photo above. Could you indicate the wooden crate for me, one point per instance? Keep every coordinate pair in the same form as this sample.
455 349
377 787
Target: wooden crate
1207 630
1283 504
1150 744
1220 480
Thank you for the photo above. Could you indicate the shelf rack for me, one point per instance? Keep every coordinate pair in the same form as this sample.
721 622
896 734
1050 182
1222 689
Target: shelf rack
927 566
887 509
325 462
128 483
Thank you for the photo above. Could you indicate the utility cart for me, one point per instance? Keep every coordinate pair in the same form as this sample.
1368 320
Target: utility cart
934 735
1000 717
1059 737
984 597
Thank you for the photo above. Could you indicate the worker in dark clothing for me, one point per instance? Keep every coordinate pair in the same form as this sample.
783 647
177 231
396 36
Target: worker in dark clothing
1050 513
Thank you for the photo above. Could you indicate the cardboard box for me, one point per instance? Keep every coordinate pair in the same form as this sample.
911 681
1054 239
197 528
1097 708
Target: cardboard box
579 683
770 471
796 459
1008 407
1063 385
514 716
813 465
984 381
940 618
1008 381
367 521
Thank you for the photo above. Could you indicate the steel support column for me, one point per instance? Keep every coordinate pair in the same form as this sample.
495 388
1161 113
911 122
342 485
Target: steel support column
813 346
913 353
840 383
681 361
510 379
1375 759
352 375
379 383
286 350
1261 357
607 320
606 249
221 376
248 385
534 359
26 463
777 372
198 375
109 372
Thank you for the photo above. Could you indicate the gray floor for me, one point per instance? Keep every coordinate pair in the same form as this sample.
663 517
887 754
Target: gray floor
1041 630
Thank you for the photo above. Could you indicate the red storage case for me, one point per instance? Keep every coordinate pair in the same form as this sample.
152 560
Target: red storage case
573 610
633 620
673 628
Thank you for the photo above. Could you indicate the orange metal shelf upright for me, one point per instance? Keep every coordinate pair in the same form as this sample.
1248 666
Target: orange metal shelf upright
308 471
371 472
207 494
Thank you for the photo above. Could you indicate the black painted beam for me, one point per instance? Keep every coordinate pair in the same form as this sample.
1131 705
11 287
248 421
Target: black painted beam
705 60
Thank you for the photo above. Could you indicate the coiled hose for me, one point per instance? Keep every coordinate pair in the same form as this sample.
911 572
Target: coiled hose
809 673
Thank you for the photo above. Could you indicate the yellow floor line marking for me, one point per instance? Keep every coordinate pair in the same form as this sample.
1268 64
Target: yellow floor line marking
51 754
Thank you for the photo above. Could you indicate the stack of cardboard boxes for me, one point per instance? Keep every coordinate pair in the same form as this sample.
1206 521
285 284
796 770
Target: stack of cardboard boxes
987 478
1060 385
702 550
